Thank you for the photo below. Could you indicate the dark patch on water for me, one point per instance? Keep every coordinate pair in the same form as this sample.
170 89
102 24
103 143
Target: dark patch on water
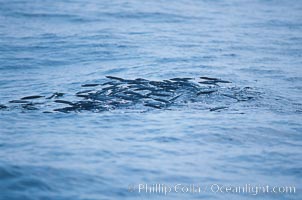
139 94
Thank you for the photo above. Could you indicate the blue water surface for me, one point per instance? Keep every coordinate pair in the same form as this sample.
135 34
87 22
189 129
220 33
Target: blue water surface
56 46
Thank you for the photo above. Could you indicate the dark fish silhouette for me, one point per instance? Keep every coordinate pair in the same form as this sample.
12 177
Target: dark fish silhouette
174 98
18 101
90 85
209 82
218 108
180 79
111 83
115 78
206 92
222 81
32 97
208 78
85 91
3 106
64 102
212 80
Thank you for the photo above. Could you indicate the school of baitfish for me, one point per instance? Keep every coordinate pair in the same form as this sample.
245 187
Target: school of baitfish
119 93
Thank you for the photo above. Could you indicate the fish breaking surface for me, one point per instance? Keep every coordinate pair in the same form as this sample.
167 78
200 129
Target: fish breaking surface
140 94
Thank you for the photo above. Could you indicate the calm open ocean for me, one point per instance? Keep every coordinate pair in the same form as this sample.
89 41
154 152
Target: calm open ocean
208 140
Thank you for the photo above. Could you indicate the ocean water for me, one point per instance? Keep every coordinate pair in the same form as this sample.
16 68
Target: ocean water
57 46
